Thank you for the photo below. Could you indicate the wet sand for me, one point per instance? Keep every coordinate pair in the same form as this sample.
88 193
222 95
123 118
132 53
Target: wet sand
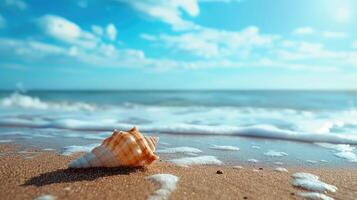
26 175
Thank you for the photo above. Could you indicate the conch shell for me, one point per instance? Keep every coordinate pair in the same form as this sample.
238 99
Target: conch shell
129 149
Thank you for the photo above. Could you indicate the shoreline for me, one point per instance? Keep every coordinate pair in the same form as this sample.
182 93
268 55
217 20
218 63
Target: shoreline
267 152
47 174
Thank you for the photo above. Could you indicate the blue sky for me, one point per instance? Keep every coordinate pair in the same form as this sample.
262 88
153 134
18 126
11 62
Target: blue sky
178 44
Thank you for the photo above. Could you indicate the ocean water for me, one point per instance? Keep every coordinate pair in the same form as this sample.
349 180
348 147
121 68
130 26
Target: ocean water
270 120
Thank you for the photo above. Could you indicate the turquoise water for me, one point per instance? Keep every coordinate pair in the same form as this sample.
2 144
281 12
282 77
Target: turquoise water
284 121
300 100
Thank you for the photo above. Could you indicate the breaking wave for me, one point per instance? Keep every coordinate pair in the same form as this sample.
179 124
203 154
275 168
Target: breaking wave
260 131
17 100
331 126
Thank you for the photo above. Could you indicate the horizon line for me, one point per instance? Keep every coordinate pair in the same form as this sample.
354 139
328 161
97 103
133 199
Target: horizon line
178 89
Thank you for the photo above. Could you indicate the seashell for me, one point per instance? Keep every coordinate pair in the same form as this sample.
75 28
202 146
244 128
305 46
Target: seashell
129 149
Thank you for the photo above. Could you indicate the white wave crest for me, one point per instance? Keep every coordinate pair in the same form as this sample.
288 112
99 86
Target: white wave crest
261 131
344 151
224 148
179 150
17 100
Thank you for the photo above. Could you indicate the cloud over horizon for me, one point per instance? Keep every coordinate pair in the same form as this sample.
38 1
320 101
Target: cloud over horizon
166 36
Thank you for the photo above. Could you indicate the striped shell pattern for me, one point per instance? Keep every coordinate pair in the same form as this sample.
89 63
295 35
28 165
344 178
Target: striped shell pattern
130 149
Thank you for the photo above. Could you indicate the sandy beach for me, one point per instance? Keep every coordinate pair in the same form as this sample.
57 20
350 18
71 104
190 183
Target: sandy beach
27 175
178 99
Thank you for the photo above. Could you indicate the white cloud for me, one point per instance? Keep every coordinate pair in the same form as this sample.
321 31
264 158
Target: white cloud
342 14
304 31
168 11
24 49
18 4
44 54
192 43
316 52
354 44
213 48
325 34
2 22
64 30
331 34
107 55
148 37
80 46
97 30
59 28
208 42
171 11
111 32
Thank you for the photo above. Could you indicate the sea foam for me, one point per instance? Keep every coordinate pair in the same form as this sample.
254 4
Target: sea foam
224 148
108 124
314 196
167 186
46 197
350 156
253 160
199 160
22 110
69 150
28 102
337 147
281 169
344 151
5 141
179 150
311 182
273 153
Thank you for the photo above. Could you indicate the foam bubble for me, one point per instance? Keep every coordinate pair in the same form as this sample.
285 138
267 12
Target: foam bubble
238 167
46 197
311 161
314 196
344 151
224 148
337 147
280 169
273 153
304 175
69 150
199 160
48 149
167 186
311 182
179 150
350 156
253 160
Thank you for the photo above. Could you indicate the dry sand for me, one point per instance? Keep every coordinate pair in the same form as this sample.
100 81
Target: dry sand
29 175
